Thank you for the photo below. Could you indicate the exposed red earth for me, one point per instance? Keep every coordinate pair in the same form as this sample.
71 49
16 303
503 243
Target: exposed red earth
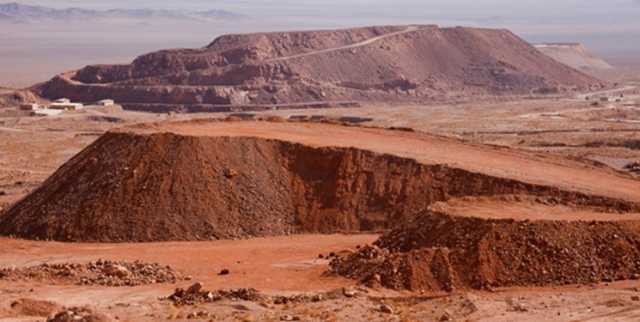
489 208
206 180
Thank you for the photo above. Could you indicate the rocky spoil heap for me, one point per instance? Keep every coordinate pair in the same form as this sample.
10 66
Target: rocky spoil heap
101 272
159 187
408 63
196 294
438 252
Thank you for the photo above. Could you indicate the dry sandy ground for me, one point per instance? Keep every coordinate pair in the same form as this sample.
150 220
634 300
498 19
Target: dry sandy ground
289 265
564 126
523 208
32 148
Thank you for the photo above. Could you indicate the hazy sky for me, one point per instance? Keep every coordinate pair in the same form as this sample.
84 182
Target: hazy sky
534 17
609 27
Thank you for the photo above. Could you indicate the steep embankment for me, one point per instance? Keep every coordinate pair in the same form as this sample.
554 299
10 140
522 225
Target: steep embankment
164 186
392 63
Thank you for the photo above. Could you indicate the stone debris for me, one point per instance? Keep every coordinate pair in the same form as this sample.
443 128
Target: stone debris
440 252
348 292
230 173
101 272
196 294
79 314
385 308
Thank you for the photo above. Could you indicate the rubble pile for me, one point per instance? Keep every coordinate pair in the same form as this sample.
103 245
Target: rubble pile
196 294
439 252
79 314
101 272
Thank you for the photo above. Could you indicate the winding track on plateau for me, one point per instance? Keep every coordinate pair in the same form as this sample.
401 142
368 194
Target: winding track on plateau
347 47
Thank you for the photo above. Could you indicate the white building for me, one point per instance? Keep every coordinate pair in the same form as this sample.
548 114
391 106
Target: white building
63 101
106 102
66 106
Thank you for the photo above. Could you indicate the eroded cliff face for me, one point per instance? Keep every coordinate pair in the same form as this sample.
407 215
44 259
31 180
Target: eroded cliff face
158 187
394 63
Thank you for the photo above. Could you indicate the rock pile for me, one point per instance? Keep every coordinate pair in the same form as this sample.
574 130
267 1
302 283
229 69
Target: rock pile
633 167
79 314
438 252
101 272
145 187
196 294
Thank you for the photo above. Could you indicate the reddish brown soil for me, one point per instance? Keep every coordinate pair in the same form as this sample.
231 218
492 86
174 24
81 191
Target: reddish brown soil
30 307
442 252
411 63
275 264
164 186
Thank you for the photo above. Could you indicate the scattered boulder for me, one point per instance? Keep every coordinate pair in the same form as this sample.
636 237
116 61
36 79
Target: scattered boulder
116 270
385 308
195 288
230 173
349 292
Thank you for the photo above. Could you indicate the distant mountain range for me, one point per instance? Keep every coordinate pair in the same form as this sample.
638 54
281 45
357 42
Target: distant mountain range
15 12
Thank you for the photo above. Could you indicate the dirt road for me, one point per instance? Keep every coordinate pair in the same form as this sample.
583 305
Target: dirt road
352 46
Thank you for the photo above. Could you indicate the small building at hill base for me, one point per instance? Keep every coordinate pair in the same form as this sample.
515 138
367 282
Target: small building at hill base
66 106
106 102
62 101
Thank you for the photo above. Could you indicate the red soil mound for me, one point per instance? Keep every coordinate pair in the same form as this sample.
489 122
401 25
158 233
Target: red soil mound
163 186
410 63
438 252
